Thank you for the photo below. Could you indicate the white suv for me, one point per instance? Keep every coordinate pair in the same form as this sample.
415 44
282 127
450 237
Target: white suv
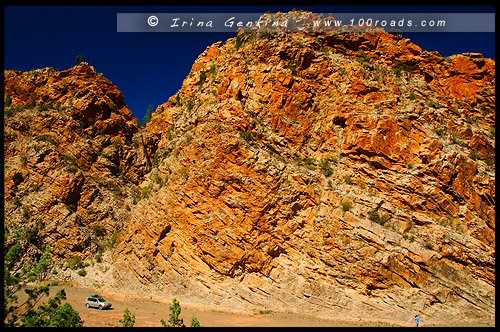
96 301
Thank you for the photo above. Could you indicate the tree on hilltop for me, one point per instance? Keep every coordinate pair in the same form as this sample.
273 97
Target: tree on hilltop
79 59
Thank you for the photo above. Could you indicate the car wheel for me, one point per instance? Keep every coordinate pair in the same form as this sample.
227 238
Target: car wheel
100 307
87 305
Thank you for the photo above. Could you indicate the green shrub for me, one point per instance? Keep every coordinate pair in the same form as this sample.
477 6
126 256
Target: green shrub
189 105
469 120
309 161
29 312
325 167
23 159
9 111
400 67
410 237
237 42
374 216
156 178
44 107
491 134
456 138
265 34
13 253
128 318
113 239
45 138
32 234
247 135
346 206
112 106
271 147
16 201
98 256
75 263
195 322
70 159
116 191
433 103
397 72
98 230
8 100
474 154
136 195
26 210
291 23
31 104
365 61
145 191
212 70
298 43
159 155
293 67
348 179
71 169
265 312
203 77
71 207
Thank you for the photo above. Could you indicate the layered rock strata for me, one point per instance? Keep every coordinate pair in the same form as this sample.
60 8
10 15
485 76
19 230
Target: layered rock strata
345 174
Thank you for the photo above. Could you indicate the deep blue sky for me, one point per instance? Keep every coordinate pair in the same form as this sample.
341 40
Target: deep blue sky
149 67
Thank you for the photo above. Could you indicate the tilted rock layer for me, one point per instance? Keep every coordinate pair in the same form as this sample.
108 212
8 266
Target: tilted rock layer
345 174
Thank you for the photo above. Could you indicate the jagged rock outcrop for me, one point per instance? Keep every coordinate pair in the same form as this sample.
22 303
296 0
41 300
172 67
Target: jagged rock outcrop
340 173
72 161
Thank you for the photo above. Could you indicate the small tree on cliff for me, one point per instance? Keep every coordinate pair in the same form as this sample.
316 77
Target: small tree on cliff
147 117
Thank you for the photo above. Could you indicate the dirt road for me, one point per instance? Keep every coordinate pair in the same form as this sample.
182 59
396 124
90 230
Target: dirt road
149 314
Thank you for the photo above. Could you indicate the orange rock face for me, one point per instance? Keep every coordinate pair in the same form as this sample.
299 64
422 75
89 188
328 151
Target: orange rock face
340 173
73 155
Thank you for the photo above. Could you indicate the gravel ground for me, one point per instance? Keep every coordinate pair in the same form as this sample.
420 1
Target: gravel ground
149 314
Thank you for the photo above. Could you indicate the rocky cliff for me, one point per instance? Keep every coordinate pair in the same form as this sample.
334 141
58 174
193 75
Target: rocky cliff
74 158
342 173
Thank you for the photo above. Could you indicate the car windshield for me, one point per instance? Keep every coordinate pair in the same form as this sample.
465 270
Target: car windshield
101 299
